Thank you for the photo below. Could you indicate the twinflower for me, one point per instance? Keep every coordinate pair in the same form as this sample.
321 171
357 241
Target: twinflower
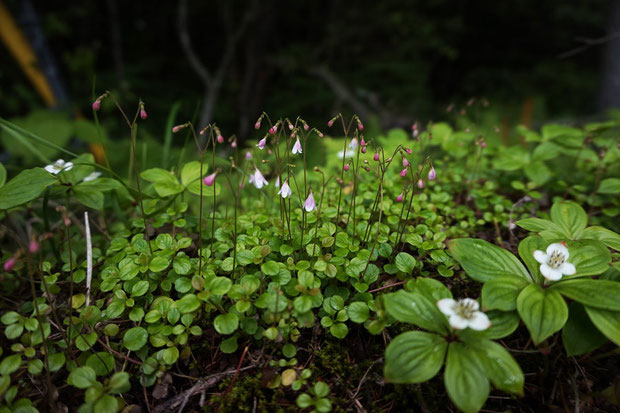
258 180
285 191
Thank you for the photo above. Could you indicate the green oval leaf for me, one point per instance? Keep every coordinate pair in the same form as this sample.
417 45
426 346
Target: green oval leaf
482 260
501 293
135 338
26 186
465 378
579 335
570 217
226 323
543 311
414 357
603 294
607 322
416 309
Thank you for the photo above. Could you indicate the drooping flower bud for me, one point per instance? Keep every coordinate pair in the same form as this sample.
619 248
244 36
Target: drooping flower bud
360 125
363 142
143 114
320 134
96 105
177 128
405 163
306 127
399 198
33 246
220 139
9 264
432 174
257 124
330 123
408 150
346 167
376 157
403 173
233 144
363 149
273 129
483 144
210 179
420 183
248 155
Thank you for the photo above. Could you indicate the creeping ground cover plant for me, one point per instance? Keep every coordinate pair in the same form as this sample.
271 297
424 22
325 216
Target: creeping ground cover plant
321 268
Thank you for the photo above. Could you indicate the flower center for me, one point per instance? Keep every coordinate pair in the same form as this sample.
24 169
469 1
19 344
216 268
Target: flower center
464 309
556 259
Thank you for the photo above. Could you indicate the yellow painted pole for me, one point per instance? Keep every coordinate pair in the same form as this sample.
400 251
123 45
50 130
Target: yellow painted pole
20 48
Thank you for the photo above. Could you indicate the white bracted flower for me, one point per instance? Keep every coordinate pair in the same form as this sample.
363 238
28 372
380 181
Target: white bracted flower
92 176
554 264
59 166
464 313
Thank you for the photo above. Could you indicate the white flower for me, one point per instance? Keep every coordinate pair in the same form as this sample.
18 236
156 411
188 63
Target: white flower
554 264
92 176
297 147
464 313
285 191
258 180
59 166
278 182
353 144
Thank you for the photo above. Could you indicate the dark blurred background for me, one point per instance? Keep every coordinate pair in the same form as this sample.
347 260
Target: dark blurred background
391 61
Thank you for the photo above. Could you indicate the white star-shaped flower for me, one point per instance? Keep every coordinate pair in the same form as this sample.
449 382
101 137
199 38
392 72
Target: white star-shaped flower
464 313
554 264
59 166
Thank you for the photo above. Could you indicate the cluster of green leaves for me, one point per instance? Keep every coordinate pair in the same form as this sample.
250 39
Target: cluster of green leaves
471 358
510 287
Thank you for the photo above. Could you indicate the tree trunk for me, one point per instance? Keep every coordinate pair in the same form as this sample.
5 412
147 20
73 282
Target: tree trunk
609 93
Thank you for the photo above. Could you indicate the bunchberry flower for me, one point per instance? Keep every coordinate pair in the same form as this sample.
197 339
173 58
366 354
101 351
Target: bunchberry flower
92 176
285 191
210 179
432 174
554 264
297 147
464 313
261 144
258 180
310 205
59 166
420 183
